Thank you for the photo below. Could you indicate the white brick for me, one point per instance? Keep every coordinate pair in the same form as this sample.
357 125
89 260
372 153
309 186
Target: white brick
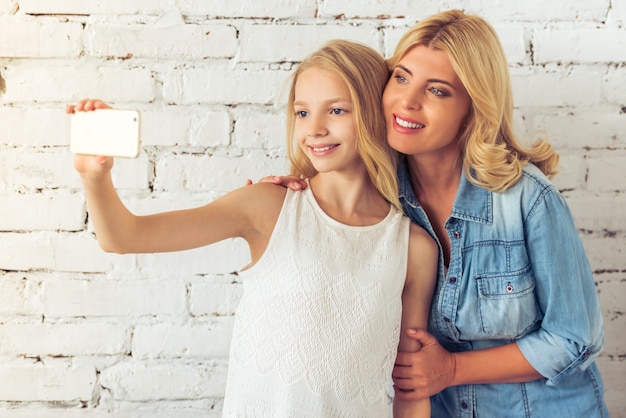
599 212
34 126
261 131
36 170
180 126
198 173
514 42
531 10
274 8
617 14
151 381
579 45
81 7
63 211
113 81
612 300
134 173
605 253
597 128
77 298
63 340
46 383
378 8
25 251
615 87
209 340
211 298
209 129
220 258
154 41
20 294
213 85
556 87
607 172
572 172
37 40
259 42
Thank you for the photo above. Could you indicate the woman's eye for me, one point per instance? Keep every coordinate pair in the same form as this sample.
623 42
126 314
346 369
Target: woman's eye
400 78
438 92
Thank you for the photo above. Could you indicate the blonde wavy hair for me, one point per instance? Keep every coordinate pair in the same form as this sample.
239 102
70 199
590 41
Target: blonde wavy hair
493 157
365 74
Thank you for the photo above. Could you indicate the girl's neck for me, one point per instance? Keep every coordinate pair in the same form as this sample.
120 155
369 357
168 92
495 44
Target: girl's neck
351 200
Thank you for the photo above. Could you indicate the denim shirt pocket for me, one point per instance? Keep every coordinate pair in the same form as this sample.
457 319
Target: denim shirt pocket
507 304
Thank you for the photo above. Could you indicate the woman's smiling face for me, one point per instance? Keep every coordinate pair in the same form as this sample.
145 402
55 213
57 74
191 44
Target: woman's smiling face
425 104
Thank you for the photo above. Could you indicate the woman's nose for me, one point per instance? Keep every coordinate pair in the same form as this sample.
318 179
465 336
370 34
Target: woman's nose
412 100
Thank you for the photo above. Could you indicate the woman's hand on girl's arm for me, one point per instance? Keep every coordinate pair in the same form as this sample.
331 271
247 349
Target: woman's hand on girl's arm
432 369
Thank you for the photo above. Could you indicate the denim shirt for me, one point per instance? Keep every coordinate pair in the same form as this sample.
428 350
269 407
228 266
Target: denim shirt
517 273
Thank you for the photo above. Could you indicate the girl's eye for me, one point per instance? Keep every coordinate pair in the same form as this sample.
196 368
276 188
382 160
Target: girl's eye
438 92
337 111
301 113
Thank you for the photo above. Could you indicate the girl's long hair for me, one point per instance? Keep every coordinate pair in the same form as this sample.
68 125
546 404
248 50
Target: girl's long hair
365 74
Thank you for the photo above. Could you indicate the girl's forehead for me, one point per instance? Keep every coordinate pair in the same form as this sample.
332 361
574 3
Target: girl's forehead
316 83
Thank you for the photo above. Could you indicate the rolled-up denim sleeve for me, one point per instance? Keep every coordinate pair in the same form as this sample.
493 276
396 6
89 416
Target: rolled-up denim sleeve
571 335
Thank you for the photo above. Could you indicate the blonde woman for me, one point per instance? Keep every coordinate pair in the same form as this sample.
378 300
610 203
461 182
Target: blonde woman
319 323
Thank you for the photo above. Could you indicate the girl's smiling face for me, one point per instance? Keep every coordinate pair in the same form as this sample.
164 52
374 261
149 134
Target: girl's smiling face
425 104
324 124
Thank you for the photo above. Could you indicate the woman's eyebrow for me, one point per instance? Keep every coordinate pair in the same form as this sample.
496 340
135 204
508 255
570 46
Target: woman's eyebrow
430 80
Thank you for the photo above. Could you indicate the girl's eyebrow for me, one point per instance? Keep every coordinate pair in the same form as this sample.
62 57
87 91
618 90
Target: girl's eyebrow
338 101
430 80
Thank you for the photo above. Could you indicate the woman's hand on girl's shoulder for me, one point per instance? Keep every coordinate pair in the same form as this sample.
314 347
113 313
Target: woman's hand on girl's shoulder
290 182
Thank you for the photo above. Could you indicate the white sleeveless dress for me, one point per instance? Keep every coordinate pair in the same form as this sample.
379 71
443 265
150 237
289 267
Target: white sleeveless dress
316 331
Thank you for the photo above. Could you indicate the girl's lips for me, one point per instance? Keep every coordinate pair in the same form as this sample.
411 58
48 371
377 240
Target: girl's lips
322 148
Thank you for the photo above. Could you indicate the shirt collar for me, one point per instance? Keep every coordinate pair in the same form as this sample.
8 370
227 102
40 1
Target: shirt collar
472 202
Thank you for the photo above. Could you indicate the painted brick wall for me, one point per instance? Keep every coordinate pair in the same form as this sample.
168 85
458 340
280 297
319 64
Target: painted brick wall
89 334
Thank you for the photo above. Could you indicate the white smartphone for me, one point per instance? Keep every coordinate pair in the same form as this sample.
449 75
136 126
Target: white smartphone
108 132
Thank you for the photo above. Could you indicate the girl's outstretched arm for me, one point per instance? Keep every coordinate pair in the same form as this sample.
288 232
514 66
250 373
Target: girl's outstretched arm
248 212
416 300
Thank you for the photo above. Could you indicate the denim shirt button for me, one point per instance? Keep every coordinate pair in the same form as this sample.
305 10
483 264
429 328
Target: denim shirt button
464 405
446 319
452 280
457 234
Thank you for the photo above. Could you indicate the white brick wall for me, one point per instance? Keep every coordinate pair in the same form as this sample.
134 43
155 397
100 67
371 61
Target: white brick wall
89 334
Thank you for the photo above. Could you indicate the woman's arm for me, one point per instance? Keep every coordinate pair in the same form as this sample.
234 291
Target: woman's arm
416 299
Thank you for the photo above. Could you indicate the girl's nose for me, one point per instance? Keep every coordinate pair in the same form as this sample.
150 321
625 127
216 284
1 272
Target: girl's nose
316 128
